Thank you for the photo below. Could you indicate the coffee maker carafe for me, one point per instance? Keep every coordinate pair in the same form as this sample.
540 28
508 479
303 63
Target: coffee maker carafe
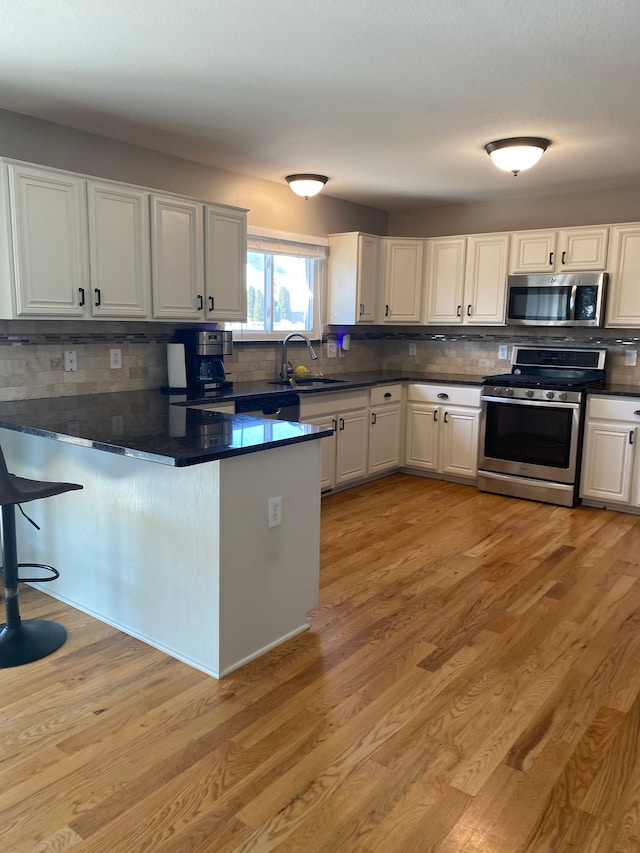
195 360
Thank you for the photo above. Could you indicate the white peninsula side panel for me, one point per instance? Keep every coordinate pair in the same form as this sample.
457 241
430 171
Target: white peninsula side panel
180 558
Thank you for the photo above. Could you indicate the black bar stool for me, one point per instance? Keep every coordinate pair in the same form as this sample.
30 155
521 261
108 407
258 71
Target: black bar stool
31 639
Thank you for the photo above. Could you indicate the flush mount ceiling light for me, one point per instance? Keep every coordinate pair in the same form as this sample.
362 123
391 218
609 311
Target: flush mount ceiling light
306 185
517 154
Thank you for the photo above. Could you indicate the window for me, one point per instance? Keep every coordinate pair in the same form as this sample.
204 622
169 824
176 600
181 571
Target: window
284 287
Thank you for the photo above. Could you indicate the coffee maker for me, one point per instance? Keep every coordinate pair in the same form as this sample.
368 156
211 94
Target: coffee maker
195 359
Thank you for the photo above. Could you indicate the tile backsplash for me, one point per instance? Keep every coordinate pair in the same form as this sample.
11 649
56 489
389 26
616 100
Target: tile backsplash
32 355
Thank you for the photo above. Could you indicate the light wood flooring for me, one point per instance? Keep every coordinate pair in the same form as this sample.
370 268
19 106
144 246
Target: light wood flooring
470 684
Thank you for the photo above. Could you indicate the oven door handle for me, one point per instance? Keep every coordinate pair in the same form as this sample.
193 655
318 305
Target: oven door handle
549 404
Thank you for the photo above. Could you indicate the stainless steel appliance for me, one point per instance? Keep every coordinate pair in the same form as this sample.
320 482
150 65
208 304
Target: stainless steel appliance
195 359
569 299
531 423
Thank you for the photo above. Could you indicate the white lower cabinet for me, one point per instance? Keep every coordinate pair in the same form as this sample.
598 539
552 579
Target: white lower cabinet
345 453
610 464
385 417
442 429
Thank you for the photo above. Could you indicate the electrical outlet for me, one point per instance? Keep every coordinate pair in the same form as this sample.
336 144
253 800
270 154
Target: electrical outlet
274 517
412 349
631 357
332 350
115 359
70 361
503 351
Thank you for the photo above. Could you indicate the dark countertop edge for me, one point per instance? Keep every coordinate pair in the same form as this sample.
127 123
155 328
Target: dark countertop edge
312 433
616 390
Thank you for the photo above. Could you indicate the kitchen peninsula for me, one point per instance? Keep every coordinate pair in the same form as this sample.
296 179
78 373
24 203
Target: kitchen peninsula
168 540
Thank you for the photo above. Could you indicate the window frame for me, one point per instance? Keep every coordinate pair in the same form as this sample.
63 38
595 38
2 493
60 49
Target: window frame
274 242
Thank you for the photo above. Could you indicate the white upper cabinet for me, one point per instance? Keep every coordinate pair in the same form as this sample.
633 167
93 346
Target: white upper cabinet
403 279
354 278
623 301
119 251
557 251
466 279
177 258
225 263
44 245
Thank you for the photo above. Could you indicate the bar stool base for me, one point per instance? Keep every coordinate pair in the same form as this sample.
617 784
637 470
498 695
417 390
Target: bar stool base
31 640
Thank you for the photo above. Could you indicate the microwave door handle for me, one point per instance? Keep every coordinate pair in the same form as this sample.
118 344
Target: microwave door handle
572 302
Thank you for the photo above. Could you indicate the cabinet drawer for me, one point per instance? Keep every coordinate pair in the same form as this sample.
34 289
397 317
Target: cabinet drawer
440 395
382 394
614 408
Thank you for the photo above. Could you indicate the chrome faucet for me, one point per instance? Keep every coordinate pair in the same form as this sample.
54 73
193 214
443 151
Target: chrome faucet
286 371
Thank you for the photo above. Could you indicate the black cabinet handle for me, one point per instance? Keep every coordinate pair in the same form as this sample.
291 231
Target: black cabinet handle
459 311
81 303
98 301
211 303
361 308
637 412
334 424
386 310
388 394
563 259
550 258
200 302
631 439
445 417
435 415
373 418
468 310
443 396
341 423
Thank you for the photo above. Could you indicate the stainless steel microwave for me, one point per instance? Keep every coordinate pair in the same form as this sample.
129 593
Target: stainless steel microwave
568 299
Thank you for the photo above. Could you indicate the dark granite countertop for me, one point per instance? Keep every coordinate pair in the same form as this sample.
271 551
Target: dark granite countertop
144 425
365 379
614 390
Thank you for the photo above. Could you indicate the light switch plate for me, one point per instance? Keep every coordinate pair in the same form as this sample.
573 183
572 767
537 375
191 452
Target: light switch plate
631 357
503 351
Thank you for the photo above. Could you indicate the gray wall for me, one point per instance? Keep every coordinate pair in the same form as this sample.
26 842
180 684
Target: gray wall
270 205
588 207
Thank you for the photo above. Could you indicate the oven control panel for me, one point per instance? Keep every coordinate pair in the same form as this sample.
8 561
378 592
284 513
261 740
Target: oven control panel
543 394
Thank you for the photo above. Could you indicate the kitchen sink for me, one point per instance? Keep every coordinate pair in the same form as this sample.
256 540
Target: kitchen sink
312 382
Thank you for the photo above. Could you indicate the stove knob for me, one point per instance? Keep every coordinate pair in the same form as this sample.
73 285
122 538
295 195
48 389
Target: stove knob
528 393
562 396
509 392
549 395
497 391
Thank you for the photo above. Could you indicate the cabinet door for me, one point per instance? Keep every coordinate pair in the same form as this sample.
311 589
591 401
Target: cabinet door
384 439
460 442
486 279
403 280
225 264
421 448
607 461
582 249
50 242
532 251
177 259
623 304
445 280
119 251
352 447
368 279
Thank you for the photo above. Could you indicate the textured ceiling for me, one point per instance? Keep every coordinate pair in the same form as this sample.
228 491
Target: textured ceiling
392 100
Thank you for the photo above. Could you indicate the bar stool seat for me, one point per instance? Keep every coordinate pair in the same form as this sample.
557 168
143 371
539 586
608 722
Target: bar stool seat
23 641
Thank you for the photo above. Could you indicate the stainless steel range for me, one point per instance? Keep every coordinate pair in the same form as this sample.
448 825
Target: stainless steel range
532 421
